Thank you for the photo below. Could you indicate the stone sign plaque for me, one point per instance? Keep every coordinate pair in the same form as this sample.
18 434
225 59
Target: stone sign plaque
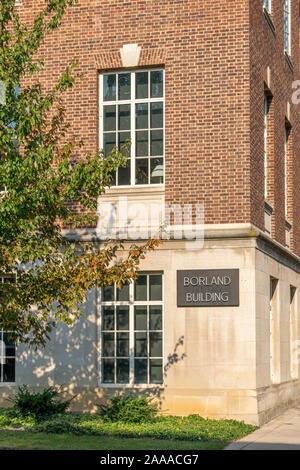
208 288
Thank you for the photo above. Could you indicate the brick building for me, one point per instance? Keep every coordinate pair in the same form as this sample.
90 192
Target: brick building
205 93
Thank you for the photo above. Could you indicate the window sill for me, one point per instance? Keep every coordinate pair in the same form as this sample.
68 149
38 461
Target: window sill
288 225
142 189
269 20
8 384
269 209
133 386
289 61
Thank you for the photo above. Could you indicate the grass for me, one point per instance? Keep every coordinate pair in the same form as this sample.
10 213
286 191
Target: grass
91 431
41 441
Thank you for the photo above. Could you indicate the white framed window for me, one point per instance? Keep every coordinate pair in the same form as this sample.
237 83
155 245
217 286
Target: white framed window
132 107
7 350
7 358
286 140
287 26
268 5
266 111
131 338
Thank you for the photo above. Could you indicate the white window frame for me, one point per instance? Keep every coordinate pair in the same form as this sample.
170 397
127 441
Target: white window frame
288 32
131 303
132 103
267 4
266 112
286 141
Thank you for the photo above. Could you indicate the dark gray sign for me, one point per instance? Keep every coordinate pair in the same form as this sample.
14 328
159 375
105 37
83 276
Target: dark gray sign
208 288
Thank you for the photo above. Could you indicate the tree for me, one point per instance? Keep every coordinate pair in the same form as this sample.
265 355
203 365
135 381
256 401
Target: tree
39 178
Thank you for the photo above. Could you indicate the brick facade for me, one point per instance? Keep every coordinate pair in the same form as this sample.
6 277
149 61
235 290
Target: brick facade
266 50
216 61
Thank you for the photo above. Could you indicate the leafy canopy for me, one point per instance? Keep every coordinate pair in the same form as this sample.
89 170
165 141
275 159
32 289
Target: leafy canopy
38 179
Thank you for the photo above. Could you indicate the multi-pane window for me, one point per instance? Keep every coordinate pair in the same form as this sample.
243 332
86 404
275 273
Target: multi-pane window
132 108
287 26
267 5
132 332
266 111
7 358
7 347
286 141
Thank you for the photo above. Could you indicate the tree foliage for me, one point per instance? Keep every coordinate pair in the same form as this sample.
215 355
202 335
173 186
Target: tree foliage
39 177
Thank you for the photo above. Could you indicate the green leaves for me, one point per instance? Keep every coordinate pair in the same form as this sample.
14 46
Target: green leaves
49 183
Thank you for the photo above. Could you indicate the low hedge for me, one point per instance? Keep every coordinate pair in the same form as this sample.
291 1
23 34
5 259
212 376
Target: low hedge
192 427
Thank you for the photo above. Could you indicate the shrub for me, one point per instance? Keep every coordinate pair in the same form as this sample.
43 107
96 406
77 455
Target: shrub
129 408
39 406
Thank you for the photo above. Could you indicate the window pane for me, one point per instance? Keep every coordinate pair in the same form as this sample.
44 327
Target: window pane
156 375
124 117
109 141
140 288
124 174
157 143
140 318
155 281
109 92
108 294
124 86
108 344
108 368
157 84
141 168
155 344
141 113
122 371
122 138
123 318
108 318
9 370
156 171
122 344
109 117
140 371
141 143
140 344
156 119
141 85
155 317
9 346
123 294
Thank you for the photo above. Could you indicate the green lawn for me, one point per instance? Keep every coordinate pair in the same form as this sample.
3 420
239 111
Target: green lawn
42 441
72 431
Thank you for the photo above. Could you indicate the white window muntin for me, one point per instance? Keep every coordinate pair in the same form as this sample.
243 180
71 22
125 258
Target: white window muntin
131 304
287 26
132 102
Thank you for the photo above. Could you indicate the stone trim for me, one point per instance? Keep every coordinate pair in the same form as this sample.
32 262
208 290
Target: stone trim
113 60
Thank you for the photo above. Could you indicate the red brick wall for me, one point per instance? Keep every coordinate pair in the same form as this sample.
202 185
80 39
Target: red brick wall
213 154
267 50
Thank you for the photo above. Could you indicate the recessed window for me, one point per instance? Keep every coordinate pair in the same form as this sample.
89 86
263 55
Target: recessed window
132 108
266 143
132 332
287 26
287 131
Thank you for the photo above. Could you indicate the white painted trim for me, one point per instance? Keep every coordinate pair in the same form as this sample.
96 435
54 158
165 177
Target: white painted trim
132 102
131 304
